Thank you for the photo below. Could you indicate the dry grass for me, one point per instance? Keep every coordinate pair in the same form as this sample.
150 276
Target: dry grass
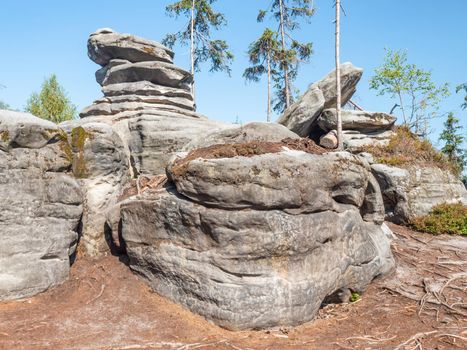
405 149
247 149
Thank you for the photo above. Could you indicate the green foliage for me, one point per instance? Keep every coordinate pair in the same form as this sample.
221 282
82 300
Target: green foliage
407 149
205 49
413 88
454 138
4 105
51 102
443 219
463 87
292 52
265 49
354 297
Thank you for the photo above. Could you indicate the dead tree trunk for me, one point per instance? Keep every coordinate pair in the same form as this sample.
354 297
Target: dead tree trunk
340 143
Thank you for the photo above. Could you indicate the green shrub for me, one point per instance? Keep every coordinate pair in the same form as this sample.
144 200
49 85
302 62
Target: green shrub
443 218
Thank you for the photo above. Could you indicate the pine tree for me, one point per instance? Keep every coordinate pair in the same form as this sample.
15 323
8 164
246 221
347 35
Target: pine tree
263 54
51 102
197 34
288 13
454 138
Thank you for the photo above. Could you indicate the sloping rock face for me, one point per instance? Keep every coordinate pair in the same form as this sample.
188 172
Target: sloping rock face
262 132
259 241
301 117
40 208
413 192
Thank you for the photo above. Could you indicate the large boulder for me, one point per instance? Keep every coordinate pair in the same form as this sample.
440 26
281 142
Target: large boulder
301 117
251 240
362 121
105 44
412 192
40 208
255 131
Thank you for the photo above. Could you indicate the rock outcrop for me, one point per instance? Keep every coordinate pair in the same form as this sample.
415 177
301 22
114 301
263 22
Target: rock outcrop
412 192
40 208
257 235
145 117
301 117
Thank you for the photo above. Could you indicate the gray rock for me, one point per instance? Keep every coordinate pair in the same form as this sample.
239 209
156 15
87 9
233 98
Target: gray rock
40 208
118 104
101 73
145 88
159 73
355 140
154 138
256 131
350 76
262 267
105 45
362 121
101 165
301 116
413 192
274 181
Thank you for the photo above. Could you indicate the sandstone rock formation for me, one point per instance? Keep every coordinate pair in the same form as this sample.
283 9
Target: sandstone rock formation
413 192
146 116
40 208
301 117
260 239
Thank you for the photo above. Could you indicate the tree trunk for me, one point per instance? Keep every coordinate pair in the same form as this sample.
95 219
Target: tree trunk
340 142
284 66
329 140
269 87
192 52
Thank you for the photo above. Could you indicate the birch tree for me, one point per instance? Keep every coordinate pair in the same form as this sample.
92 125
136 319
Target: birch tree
263 54
197 34
418 97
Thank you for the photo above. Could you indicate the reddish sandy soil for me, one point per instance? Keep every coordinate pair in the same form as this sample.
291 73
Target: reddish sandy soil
104 306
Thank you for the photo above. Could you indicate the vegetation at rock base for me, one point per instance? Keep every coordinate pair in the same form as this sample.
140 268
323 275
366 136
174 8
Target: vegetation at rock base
354 297
443 219
51 102
405 148
292 52
417 96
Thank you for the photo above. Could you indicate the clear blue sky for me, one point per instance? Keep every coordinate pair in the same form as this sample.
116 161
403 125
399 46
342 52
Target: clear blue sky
42 37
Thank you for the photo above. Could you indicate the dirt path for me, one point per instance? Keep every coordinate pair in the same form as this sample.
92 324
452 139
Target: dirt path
104 306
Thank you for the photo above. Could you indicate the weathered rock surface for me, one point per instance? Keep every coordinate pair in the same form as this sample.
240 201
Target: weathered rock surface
355 140
105 45
40 208
301 116
159 73
413 192
101 166
256 131
221 244
362 121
